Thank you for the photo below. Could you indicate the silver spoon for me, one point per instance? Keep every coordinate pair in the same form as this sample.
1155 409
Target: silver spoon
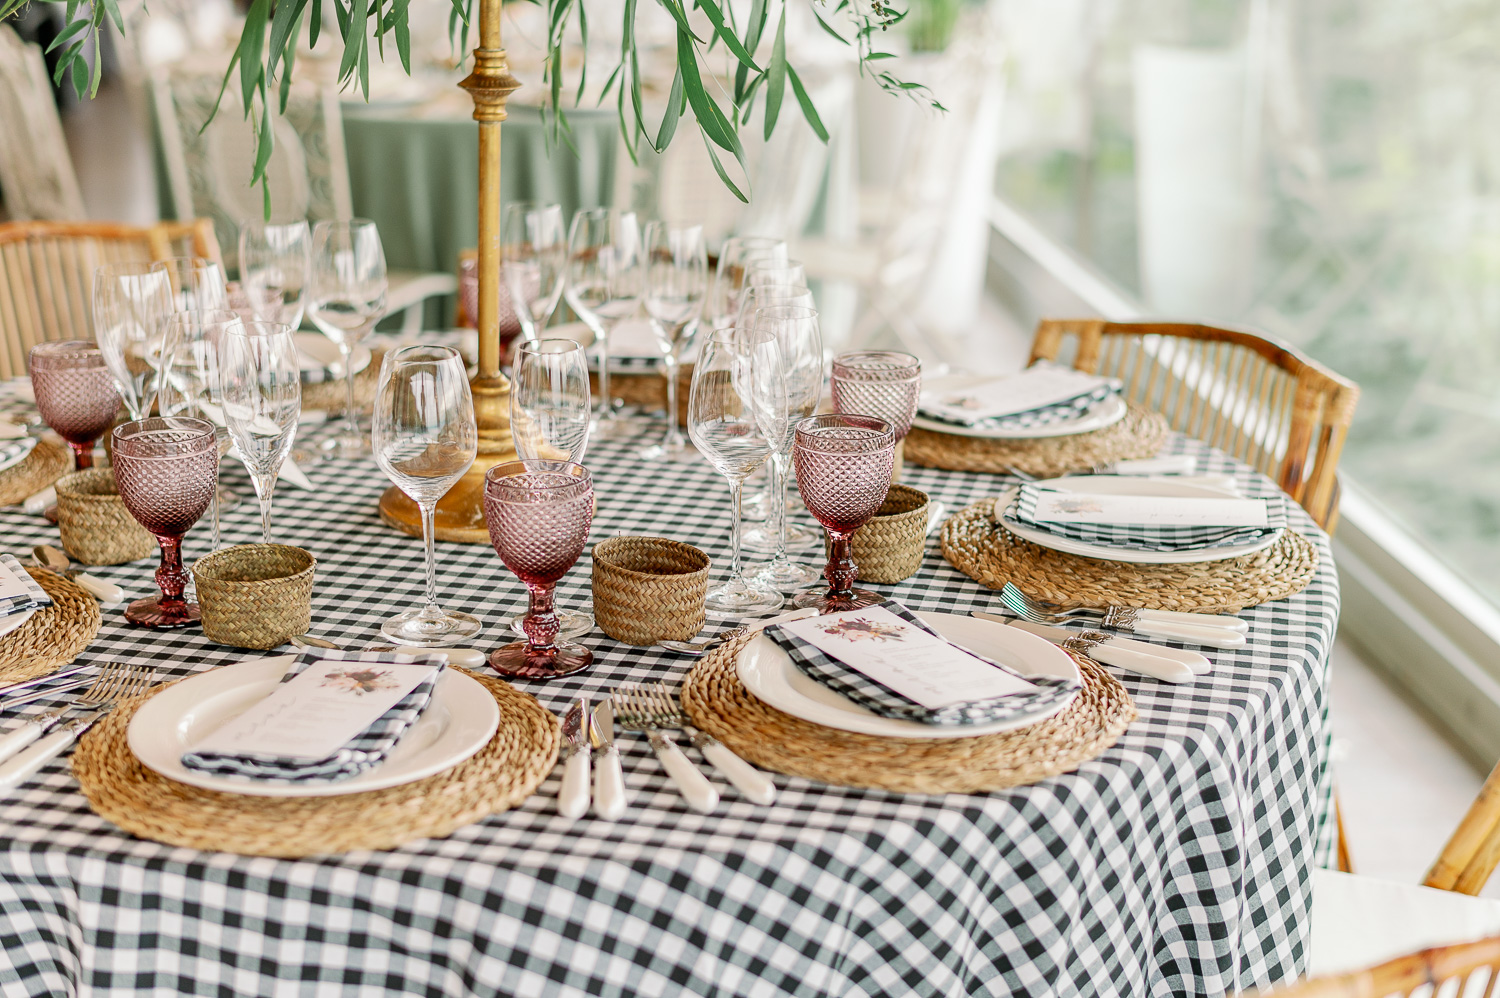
54 560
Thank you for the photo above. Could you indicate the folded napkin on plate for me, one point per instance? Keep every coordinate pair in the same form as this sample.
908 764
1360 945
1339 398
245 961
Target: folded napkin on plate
1038 396
364 751
879 699
19 592
14 450
1138 537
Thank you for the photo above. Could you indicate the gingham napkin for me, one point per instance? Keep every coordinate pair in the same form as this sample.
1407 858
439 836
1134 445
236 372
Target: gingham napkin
366 750
967 407
14 451
882 700
21 591
1135 537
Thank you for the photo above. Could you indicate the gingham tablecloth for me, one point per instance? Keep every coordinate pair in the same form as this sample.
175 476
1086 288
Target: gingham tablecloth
1177 863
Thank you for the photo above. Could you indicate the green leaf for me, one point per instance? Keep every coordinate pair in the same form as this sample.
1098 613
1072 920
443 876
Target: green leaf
872 56
98 73
223 88
755 25
283 23
291 61
354 40
72 29
716 18
710 119
680 16
826 26
265 141
401 10
80 76
719 169
776 76
672 114
316 24
112 7
252 39
364 70
808 111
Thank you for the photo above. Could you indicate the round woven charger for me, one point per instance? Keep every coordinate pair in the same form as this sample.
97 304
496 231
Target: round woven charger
330 396
502 774
1140 434
649 589
763 735
54 635
648 391
255 595
45 464
889 548
988 553
95 526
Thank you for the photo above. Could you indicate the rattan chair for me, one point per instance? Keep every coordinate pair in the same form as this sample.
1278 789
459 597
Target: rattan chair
47 275
1254 398
1463 968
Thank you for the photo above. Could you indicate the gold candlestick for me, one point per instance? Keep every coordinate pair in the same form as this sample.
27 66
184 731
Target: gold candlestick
460 514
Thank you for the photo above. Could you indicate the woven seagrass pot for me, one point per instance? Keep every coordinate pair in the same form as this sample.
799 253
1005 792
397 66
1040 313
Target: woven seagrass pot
649 589
889 548
255 595
96 527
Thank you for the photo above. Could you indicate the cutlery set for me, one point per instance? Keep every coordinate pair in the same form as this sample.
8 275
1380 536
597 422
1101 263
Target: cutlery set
24 749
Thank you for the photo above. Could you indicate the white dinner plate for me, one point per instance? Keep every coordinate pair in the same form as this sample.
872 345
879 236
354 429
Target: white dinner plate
770 674
457 723
15 620
578 332
1106 413
1125 485
320 360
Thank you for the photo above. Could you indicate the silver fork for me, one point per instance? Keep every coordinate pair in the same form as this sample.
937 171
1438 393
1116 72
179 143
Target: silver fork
114 681
1215 632
122 682
635 712
755 785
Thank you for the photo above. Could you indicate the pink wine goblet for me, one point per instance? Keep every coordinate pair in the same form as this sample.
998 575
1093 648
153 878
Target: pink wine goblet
167 469
844 465
880 383
75 394
539 513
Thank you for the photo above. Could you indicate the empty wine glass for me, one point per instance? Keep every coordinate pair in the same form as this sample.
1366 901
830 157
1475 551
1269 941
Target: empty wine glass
275 263
881 383
197 283
262 386
425 438
533 251
844 465
345 300
737 409
729 275
75 394
130 304
538 514
757 503
192 385
603 286
166 468
767 272
676 286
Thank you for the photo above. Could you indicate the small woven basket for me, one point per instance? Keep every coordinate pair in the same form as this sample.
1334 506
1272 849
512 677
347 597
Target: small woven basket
649 589
255 595
889 548
96 527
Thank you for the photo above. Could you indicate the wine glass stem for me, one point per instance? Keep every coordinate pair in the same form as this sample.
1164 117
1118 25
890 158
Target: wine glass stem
606 410
169 576
263 492
213 513
841 570
428 510
777 469
351 415
83 455
540 623
673 442
736 487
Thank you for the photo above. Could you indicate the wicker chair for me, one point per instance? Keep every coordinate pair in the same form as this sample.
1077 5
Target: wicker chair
1468 964
47 275
1254 398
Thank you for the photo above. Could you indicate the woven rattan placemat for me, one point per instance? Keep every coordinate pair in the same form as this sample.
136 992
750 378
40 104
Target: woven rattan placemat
53 636
985 551
763 735
141 801
46 463
331 396
1140 434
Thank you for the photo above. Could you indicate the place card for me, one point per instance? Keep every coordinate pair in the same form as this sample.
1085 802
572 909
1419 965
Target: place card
1148 511
1034 388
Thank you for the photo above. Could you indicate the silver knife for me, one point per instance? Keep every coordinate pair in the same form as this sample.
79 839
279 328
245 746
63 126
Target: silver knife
1170 665
573 797
609 779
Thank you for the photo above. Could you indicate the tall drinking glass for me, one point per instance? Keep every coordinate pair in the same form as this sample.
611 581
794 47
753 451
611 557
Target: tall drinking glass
130 306
729 275
192 381
346 299
533 254
275 264
262 385
197 283
757 502
676 287
603 286
425 439
75 393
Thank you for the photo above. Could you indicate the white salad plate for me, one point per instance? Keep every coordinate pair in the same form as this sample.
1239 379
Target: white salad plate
770 674
457 723
1106 413
15 620
320 360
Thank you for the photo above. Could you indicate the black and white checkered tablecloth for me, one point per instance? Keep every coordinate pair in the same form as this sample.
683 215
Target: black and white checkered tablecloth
1177 863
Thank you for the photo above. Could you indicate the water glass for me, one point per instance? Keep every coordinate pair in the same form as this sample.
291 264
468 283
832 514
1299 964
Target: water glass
729 276
676 287
757 504
197 283
192 383
533 254
880 383
549 401
346 299
603 285
131 302
275 265
75 394
262 386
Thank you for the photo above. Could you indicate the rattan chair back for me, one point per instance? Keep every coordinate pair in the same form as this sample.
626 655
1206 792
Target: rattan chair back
1443 970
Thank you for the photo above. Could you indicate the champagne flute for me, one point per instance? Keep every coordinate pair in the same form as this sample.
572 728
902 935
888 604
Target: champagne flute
737 408
533 252
676 286
603 286
130 303
425 438
346 299
729 275
192 384
275 261
262 386
196 283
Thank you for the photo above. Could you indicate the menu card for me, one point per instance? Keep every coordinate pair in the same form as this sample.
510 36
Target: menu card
1034 388
1149 511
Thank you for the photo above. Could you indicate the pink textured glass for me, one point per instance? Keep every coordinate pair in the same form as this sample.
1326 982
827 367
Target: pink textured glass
539 513
844 467
75 393
880 383
167 469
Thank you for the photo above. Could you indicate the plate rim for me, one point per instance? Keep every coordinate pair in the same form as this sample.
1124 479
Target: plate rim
1065 428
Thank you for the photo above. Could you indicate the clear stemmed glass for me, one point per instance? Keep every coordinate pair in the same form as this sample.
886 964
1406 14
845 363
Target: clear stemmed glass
275 264
131 303
75 393
425 438
797 335
533 251
538 514
881 383
729 275
345 300
603 286
676 287
767 272
844 465
166 469
196 283
262 386
757 504
737 409
191 383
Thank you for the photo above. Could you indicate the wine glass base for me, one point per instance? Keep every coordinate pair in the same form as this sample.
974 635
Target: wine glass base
149 612
615 427
661 452
762 541
570 624
521 661
346 446
447 628
820 598
737 599
228 499
786 576
755 506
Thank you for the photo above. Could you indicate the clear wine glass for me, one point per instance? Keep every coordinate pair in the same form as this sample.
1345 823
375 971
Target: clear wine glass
676 288
130 304
166 469
603 286
533 254
737 409
425 438
844 465
345 300
767 272
197 283
275 265
538 514
262 386
192 384
757 503
729 275
881 383
75 394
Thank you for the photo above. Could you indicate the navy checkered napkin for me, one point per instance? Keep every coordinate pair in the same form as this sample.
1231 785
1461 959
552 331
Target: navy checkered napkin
886 702
364 751
1136 537
34 598
14 451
